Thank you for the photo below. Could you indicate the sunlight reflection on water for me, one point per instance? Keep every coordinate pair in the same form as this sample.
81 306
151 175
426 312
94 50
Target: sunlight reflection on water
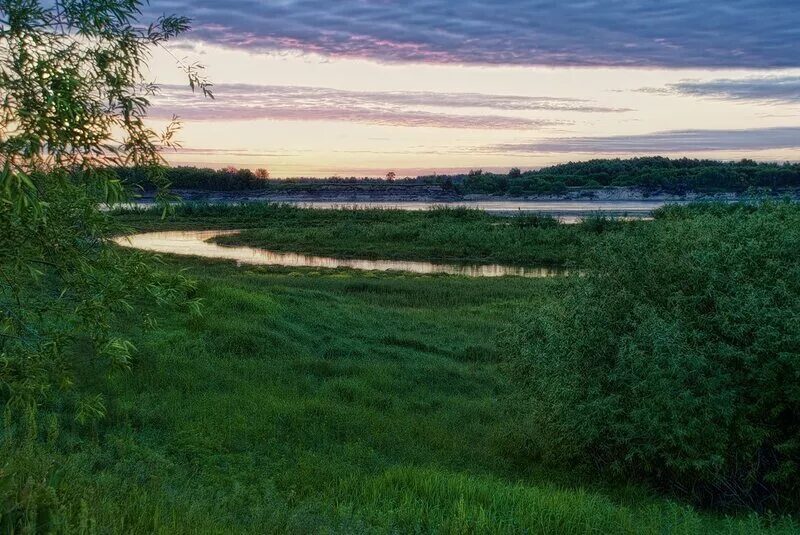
564 211
195 243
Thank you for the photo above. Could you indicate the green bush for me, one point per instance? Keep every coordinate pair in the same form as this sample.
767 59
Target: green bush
675 357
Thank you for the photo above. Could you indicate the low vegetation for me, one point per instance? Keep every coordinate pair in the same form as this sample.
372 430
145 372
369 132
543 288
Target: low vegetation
643 396
323 401
659 381
675 359
444 235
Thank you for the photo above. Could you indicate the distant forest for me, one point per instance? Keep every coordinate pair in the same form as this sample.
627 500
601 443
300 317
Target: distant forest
651 173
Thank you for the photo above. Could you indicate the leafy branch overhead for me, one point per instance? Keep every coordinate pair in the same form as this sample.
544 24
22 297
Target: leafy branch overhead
74 100
73 110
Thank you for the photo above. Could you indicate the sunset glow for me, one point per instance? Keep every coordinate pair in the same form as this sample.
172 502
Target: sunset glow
362 104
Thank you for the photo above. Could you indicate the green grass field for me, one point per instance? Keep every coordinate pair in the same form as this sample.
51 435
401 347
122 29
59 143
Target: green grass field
314 401
311 401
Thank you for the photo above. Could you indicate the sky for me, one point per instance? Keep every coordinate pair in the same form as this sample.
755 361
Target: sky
364 87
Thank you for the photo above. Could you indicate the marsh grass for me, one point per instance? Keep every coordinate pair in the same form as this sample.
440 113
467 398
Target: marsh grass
326 401
439 234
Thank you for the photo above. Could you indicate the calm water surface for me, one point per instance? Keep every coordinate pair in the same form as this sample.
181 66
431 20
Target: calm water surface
563 208
196 243
566 211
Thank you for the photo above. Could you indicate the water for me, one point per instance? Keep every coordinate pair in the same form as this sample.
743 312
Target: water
566 211
196 243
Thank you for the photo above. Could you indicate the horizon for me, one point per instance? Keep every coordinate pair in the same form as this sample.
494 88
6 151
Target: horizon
361 89
453 173
401 174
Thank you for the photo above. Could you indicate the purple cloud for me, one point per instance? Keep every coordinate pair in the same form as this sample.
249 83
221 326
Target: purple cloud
411 109
664 142
667 33
770 89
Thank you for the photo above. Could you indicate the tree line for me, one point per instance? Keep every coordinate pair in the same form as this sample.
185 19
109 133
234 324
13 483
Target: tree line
657 173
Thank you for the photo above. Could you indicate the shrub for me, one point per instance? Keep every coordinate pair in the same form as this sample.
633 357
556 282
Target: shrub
675 358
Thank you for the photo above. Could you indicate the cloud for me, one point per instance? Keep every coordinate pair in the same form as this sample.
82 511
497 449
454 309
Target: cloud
412 109
201 151
688 141
771 89
667 33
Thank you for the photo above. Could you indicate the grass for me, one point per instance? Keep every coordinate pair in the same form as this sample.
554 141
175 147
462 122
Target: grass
444 234
336 401
319 401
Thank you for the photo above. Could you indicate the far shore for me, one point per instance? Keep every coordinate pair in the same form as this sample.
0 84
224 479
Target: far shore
432 194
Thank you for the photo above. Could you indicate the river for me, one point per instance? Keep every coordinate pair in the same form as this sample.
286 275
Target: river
197 243
568 211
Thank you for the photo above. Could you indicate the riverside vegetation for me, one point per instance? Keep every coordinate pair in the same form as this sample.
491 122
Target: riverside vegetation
309 400
440 234
334 401
676 358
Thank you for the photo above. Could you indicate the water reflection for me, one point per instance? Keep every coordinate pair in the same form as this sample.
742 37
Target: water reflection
566 211
195 243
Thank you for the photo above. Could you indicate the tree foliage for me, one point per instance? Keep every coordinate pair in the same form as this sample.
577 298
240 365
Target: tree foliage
73 106
676 357
657 173
651 174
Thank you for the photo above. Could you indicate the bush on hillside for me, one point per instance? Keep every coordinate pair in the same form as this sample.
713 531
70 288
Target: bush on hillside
675 358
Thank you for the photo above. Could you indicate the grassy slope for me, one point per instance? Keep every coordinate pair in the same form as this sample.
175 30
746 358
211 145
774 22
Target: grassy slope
336 401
